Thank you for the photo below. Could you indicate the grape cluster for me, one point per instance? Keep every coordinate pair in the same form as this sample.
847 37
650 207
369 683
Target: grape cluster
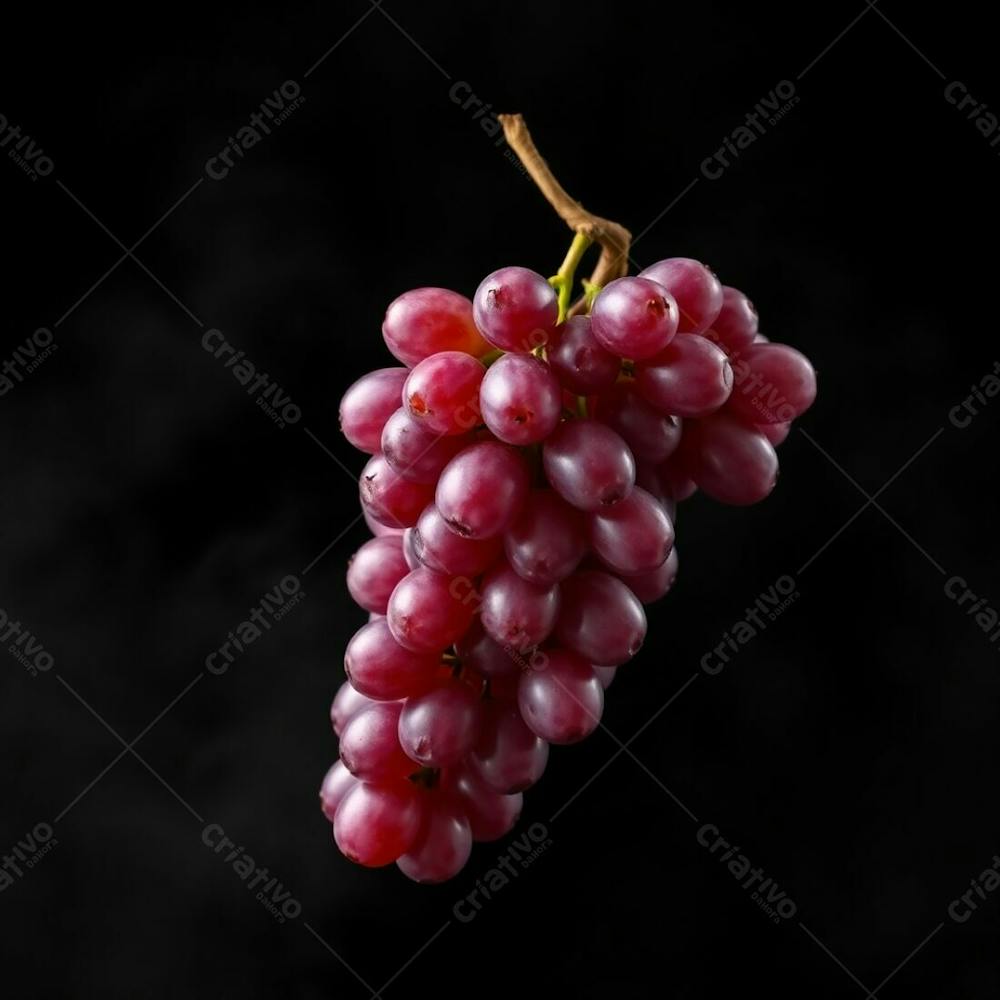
522 490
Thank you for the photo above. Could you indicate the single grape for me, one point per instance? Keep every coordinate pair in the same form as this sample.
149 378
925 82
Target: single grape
634 536
428 611
508 756
442 393
440 549
485 655
652 435
368 404
514 612
546 541
439 728
655 583
600 618
695 289
774 384
731 462
379 668
490 814
578 360
375 824
374 570
443 845
369 744
634 318
424 321
588 464
337 783
562 703
388 497
691 378
736 325
414 451
515 309
482 489
521 400
347 701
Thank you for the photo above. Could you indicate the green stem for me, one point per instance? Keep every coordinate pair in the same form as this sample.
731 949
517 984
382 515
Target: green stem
562 281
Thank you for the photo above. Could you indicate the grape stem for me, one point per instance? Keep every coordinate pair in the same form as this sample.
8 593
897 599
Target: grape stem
613 239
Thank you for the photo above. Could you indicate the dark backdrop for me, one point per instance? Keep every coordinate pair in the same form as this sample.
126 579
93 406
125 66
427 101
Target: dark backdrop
148 504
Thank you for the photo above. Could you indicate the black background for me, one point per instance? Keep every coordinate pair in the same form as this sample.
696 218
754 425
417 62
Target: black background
147 504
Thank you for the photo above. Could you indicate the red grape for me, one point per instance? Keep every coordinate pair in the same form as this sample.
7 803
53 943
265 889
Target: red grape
515 309
634 536
634 318
691 378
442 392
600 618
508 756
374 570
383 670
774 384
440 549
388 497
731 462
368 404
579 361
588 464
521 399
337 783
375 824
513 611
424 321
482 489
546 541
428 611
369 744
652 436
490 813
562 703
439 728
443 844
414 451
736 325
694 287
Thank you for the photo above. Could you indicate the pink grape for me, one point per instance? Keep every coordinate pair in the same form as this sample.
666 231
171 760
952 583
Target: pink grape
379 668
652 436
562 703
443 845
490 814
388 497
774 384
439 728
414 451
440 549
694 287
347 701
375 824
515 309
691 378
337 783
424 321
427 612
654 583
546 541
442 393
580 363
374 570
731 462
736 325
368 404
521 400
588 464
634 318
369 744
485 655
508 756
600 618
634 536
513 611
482 489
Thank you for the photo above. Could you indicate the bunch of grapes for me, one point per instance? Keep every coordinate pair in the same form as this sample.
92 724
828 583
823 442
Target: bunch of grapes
522 491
